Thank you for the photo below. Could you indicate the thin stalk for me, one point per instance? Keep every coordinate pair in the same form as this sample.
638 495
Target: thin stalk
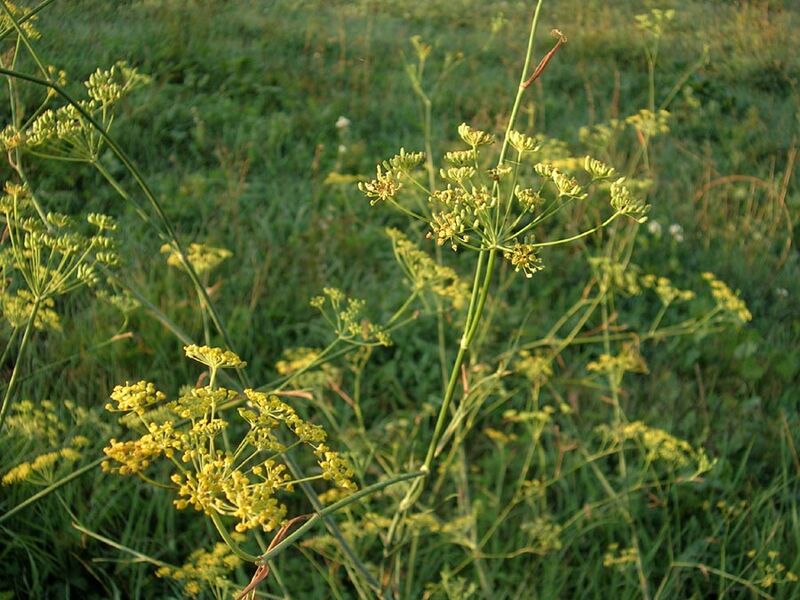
523 77
300 531
24 38
15 373
51 488
139 556
27 17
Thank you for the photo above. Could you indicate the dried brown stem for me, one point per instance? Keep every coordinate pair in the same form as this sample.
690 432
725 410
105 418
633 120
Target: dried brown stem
562 39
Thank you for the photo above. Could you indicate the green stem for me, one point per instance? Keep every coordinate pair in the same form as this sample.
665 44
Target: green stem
23 344
28 16
23 37
51 488
579 235
523 77
230 542
376 487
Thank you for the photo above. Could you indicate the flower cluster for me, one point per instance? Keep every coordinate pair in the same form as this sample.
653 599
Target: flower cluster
346 316
619 558
384 187
653 23
536 368
194 436
65 132
659 445
423 273
625 203
204 569
627 361
60 428
496 208
665 290
47 258
772 572
617 276
650 124
523 257
202 257
727 300
7 24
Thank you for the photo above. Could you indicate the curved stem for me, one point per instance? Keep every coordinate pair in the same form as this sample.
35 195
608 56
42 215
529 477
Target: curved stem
230 542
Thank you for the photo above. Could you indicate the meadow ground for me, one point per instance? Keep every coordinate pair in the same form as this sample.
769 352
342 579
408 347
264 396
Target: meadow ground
561 476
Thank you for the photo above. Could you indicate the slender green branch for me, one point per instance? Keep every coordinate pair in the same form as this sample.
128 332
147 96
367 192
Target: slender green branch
300 531
51 488
15 372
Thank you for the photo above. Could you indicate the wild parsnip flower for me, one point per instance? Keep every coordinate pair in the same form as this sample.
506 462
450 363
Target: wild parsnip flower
544 535
204 570
448 227
619 558
524 258
522 143
597 169
6 24
296 359
404 162
540 417
346 316
626 203
42 469
135 397
243 481
384 187
499 172
423 273
460 158
18 307
202 257
528 198
474 137
49 259
537 368
771 572
660 445
457 174
565 185
727 300
107 86
214 358
666 292
612 274
65 133
654 21
650 124
627 361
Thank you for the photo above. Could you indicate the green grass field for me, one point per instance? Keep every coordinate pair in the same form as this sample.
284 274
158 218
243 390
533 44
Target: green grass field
601 442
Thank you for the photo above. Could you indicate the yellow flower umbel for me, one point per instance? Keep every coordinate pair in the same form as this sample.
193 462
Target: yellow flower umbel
202 257
728 302
205 570
210 472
